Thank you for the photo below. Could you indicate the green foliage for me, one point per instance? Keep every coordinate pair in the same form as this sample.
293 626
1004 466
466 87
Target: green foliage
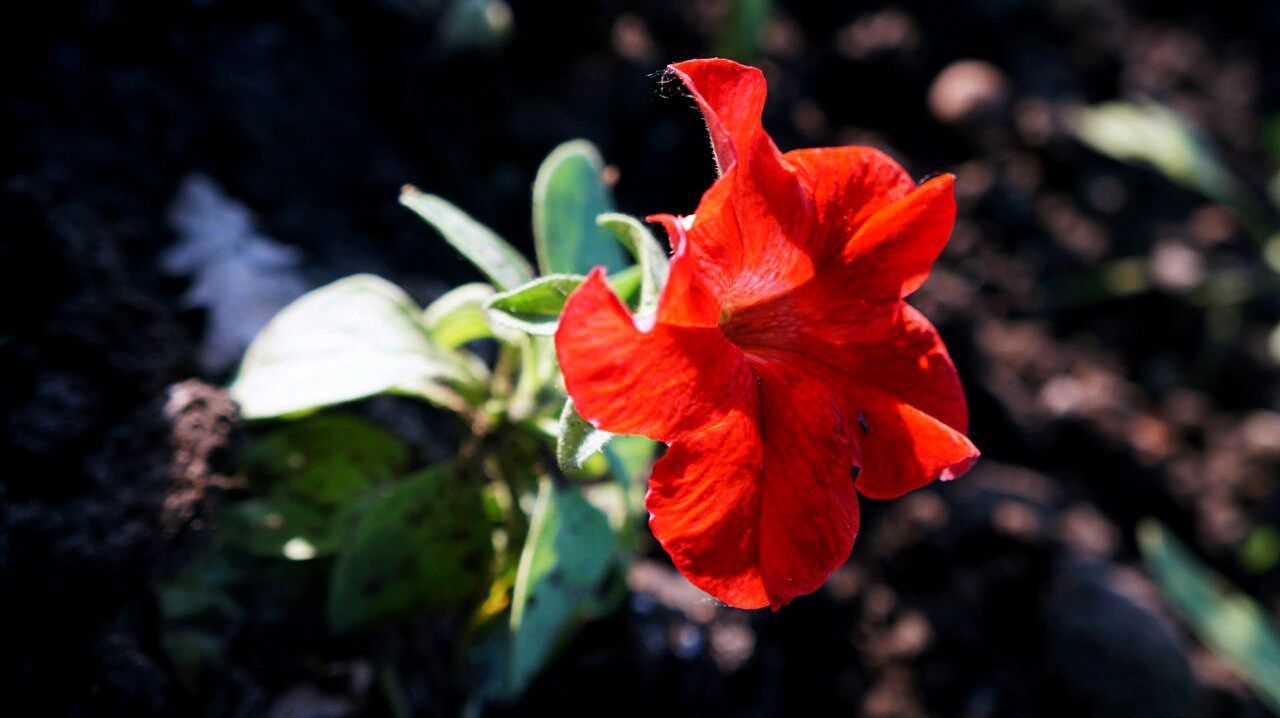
491 254
285 523
743 30
649 256
458 317
354 338
565 561
423 544
337 525
322 441
318 472
568 195
1229 622
630 458
578 440
1152 134
535 307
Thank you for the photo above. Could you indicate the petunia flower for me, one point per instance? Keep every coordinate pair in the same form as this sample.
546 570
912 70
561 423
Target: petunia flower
782 368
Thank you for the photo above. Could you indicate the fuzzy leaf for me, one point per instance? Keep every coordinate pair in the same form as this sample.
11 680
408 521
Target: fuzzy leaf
568 195
354 338
423 545
491 254
534 307
577 440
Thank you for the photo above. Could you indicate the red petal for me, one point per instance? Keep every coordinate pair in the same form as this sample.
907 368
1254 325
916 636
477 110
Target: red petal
912 364
688 299
886 230
891 253
812 320
904 449
811 510
759 507
704 508
747 226
658 383
876 240
848 186
898 381
731 97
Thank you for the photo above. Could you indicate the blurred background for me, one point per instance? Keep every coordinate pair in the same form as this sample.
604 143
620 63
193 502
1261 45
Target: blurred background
174 172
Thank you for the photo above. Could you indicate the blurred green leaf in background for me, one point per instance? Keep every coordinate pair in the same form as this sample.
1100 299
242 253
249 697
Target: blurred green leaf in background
1229 622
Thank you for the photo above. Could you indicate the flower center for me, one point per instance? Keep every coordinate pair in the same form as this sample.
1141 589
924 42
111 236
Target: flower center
725 315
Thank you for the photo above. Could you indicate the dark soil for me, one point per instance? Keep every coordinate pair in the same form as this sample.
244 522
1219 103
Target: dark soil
1015 591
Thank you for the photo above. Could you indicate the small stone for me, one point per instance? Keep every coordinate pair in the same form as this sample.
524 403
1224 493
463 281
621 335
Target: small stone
966 89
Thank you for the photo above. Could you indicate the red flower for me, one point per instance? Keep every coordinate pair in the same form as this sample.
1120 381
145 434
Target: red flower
783 368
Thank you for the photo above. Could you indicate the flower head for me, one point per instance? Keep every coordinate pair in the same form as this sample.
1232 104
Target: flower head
783 368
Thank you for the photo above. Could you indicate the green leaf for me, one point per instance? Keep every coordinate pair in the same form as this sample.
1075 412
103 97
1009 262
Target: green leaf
425 544
323 440
1148 133
319 472
568 195
1152 134
630 459
458 316
496 259
302 518
535 307
577 440
649 255
1230 623
565 561
352 339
